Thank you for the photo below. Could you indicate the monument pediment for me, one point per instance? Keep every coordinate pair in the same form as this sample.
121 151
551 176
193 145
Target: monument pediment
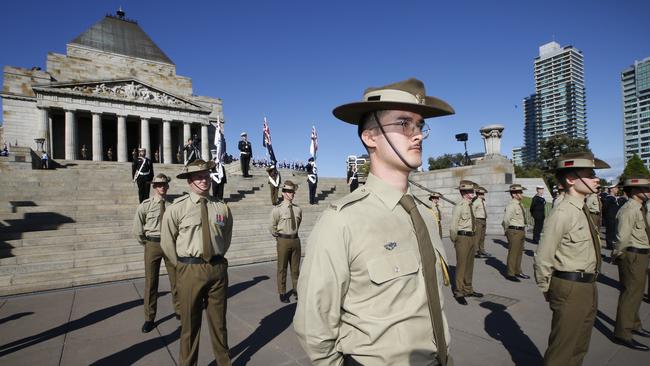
130 90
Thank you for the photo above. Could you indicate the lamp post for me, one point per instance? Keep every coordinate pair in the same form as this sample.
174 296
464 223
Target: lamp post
462 137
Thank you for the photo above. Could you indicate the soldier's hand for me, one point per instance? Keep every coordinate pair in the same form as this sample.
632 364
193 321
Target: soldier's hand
547 296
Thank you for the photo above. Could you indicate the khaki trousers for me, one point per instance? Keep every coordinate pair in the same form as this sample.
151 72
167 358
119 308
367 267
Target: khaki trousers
632 274
464 246
152 257
574 306
515 250
288 253
200 284
480 236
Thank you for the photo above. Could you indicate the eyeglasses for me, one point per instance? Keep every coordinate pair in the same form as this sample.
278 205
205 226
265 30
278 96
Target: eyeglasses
411 127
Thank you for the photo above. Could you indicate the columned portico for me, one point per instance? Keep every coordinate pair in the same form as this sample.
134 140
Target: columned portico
145 141
122 156
187 134
205 147
97 136
70 135
167 142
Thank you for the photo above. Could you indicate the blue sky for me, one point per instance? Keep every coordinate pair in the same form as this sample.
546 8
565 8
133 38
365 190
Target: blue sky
294 61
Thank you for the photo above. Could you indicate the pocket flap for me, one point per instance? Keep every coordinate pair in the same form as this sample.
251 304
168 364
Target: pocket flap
392 266
580 235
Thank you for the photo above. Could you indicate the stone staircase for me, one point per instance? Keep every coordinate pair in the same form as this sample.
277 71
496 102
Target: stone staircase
72 226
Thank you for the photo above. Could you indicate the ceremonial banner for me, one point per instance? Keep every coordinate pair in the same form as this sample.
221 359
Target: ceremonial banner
266 141
313 146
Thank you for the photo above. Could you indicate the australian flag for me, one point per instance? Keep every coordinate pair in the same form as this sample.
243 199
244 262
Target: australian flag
266 141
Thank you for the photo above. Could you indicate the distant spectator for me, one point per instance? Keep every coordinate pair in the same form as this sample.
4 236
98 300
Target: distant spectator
45 161
5 150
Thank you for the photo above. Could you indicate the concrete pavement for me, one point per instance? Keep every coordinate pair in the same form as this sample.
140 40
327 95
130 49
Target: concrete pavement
100 325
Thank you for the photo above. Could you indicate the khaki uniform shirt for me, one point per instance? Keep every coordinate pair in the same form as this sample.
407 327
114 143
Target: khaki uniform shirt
181 234
566 243
362 290
593 203
630 228
479 208
434 211
147 219
515 215
461 219
281 219
557 200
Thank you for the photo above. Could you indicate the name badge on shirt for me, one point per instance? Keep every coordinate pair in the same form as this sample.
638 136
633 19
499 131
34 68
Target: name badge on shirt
219 220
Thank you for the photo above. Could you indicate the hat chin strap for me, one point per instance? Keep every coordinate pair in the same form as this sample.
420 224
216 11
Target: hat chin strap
583 182
381 128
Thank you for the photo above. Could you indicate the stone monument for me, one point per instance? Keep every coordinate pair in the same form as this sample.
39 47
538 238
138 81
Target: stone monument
492 139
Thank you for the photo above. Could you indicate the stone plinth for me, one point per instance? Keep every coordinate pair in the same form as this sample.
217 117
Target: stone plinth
492 138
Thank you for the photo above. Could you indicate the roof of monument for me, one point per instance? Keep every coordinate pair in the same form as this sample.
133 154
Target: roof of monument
122 36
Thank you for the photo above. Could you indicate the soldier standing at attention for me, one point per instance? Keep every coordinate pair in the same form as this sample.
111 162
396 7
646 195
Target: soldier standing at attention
245 154
631 255
142 172
312 180
435 211
514 224
274 183
480 214
568 260
594 206
146 227
461 232
370 284
538 212
610 209
196 233
285 222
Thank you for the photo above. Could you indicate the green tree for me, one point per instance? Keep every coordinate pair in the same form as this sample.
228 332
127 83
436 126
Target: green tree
634 168
446 161
557 145
529 171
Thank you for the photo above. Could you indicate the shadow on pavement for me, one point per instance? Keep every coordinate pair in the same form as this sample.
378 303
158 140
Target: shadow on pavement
498 265
606 280
15 316
89 319
270 327
601 327
501 242
241 286
503 328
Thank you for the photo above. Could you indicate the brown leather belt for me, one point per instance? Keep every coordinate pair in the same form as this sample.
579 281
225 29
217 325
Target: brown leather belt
480 219
286 236
199 260
576 276
638 250
516 227
465 233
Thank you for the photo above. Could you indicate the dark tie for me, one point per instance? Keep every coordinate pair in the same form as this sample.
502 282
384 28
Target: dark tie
595 237
293 218
162 210
205 231
439 221
523 213
428 257
471 213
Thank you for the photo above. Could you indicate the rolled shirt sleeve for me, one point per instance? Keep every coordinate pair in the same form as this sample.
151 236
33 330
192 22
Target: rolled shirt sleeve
168 235
138 224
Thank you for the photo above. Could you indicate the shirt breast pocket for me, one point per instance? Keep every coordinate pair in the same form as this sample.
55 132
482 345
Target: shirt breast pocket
189 223
465 215
393 266
579 236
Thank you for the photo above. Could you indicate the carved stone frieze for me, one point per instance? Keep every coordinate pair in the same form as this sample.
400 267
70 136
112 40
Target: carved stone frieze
131 91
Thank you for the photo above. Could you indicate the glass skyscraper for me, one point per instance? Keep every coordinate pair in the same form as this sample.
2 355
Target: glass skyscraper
558 105
635 85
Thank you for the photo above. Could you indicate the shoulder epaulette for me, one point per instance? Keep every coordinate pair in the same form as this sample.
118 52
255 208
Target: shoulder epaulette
181 198
146 201
359 194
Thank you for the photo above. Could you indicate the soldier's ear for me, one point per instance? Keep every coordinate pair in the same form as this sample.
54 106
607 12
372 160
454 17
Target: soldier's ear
368 137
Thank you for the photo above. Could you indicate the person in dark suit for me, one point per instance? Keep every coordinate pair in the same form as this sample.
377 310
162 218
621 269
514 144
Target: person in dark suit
610 209
312 180
537 210
142 172
245 153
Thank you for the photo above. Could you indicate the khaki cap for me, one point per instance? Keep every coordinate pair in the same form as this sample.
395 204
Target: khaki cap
466 185
161 178
481 190
407 95
580 160
434 195
516 188
641 182
196 166
289 186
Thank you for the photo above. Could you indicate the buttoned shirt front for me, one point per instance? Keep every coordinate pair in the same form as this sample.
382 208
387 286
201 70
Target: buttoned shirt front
515 214
593 203
461 219
281 219
566 243
630 227
362 289
181 234
147 219
479 208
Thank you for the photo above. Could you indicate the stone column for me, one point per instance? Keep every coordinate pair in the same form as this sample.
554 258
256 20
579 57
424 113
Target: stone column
145 141
167 142
50 135
205 147
97 137
43 127
70 135
187 134
122 155
492 138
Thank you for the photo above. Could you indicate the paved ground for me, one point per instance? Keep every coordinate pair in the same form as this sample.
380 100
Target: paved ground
100 325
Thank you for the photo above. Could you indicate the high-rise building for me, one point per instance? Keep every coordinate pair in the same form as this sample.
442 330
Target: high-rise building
635 84
558 105
517 156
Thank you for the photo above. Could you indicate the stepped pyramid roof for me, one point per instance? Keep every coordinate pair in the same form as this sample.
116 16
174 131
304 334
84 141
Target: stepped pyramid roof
117 34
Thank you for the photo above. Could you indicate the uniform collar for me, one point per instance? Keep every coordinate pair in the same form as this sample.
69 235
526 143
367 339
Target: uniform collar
195 197
157 198
634 202
286 203
388 194
577 202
